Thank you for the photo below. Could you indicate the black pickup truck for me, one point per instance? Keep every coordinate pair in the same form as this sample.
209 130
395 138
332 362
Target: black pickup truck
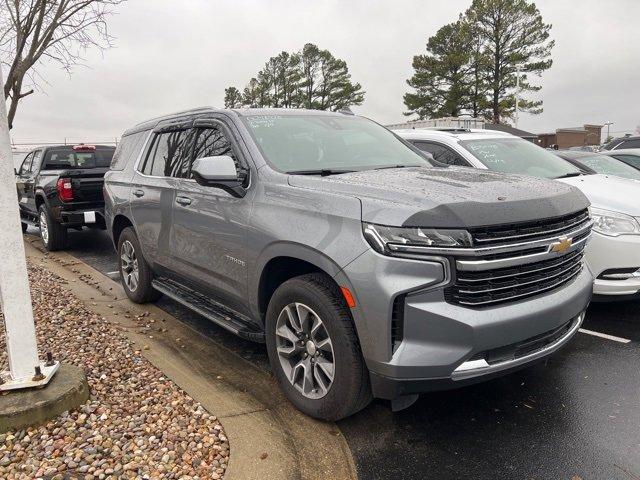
60 187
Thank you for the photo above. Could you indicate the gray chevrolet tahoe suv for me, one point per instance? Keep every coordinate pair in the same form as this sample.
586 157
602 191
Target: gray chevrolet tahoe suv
367 270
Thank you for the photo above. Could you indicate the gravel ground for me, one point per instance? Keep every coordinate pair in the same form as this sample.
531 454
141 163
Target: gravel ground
137 423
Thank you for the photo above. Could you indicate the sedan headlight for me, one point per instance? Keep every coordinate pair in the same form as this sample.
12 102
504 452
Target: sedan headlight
383 238
614 224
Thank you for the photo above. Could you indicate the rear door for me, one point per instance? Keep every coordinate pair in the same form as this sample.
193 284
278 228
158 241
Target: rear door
209 228
152 192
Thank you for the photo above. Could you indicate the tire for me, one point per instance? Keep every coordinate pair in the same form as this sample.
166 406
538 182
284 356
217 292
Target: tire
307 297
54 235
24 227
135 273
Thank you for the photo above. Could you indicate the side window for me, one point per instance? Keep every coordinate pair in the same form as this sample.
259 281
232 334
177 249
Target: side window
213 142
127 149
37 159
442 154
26 164
630 159
630 144
168 155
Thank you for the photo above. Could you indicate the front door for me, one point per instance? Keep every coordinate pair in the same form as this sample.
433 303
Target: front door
25 186
209 228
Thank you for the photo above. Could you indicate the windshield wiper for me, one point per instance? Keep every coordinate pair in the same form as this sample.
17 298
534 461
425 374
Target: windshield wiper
571 174
323 172
394 166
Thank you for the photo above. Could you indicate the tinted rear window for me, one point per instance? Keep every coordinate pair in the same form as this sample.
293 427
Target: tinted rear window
128 149
67 158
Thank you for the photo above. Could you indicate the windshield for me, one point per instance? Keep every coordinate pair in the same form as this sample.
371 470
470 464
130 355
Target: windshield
609 166
299 143
66 157
515 155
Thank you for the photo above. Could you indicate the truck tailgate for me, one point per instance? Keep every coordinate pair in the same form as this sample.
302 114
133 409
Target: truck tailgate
87 184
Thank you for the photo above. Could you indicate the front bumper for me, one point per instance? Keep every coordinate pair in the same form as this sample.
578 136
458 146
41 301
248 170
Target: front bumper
438 337
479 370
605 253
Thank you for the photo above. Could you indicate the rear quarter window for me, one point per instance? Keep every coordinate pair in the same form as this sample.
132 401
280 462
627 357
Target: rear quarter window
128 149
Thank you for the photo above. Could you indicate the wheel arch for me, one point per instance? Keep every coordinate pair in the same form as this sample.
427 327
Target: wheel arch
280 263
120 222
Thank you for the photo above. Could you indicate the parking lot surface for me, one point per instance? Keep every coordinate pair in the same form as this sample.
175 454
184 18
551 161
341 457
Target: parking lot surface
575 416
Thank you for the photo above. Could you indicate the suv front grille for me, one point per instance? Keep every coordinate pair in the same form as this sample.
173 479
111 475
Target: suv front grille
504 284
511 262
527 231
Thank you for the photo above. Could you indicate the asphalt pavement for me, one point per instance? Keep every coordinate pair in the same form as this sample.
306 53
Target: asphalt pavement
576 416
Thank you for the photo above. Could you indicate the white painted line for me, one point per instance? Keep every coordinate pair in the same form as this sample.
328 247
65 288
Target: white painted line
604 335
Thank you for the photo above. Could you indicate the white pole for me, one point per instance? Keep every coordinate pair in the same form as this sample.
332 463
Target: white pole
22 349
517 92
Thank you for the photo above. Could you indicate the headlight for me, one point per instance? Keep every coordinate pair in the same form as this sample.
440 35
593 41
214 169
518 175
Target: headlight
613 224
383 238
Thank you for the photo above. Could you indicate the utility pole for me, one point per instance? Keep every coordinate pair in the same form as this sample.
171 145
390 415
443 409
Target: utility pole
608 125
517 92
25 368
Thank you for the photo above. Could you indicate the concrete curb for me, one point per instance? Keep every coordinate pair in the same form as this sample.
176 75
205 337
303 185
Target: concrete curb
268 437
67 390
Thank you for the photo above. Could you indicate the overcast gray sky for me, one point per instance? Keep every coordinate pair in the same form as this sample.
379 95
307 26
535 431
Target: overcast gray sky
169 58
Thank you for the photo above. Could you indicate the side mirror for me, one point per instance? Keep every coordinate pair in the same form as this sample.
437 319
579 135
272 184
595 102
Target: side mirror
220 172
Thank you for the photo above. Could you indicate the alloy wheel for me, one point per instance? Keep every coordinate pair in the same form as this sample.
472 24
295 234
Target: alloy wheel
44 228
305 350
129 266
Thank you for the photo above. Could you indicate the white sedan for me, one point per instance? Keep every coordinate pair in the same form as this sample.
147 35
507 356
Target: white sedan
613 254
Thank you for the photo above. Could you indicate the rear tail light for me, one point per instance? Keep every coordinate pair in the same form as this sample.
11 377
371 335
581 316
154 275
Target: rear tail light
65 189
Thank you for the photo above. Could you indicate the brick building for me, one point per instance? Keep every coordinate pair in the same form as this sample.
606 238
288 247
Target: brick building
572 137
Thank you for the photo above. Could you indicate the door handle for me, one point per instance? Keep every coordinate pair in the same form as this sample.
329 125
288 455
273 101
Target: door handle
138 193
184 201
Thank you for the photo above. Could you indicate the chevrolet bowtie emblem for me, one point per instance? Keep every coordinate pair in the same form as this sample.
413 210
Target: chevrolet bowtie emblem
562 245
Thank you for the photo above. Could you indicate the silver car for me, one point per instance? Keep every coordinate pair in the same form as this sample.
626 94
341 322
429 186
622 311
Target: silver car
367 270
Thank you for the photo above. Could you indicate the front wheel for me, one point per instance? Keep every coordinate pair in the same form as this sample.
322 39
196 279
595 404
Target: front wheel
54 235
135 273
314 350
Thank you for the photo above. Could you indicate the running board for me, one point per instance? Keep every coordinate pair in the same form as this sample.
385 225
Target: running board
212 310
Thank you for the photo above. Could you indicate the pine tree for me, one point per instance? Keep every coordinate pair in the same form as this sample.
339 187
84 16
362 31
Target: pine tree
441 78
514 35
311 78
232 98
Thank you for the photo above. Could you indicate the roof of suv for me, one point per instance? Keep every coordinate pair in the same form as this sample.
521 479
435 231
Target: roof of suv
243 112
451 133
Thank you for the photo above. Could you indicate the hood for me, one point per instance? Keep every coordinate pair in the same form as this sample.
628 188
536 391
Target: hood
449 197
608 192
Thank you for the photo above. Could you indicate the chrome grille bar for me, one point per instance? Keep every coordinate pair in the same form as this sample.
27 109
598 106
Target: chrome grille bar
583 218
528 294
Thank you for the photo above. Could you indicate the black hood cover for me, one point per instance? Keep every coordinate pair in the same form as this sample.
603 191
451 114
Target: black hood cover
450 197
